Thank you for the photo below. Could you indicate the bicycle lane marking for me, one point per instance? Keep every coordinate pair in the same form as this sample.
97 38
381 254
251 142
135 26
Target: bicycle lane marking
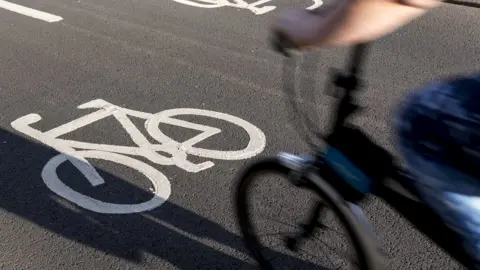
76 151
30 12
253 7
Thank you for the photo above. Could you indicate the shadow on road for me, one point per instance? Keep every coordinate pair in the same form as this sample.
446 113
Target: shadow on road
170 232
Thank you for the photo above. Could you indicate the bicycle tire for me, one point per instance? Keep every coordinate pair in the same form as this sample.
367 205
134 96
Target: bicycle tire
274 165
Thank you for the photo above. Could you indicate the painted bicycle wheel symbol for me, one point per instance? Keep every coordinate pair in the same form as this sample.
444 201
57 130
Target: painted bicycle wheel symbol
77 152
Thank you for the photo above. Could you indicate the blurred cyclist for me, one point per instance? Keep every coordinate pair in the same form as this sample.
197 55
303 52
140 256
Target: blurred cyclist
438 128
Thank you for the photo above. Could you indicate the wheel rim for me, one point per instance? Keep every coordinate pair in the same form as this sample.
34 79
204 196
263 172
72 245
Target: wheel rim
244 214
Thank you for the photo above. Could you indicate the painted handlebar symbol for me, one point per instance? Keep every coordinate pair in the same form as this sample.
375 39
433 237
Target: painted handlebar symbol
77 152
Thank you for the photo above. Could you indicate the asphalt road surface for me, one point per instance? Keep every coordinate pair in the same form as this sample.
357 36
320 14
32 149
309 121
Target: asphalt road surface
152 57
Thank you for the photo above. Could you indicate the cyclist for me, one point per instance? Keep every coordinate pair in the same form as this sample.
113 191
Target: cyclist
438 128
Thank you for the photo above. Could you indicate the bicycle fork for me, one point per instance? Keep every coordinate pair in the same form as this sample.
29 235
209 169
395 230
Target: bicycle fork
300 166
307 229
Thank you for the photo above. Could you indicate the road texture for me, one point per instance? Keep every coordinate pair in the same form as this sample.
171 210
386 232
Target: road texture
152 56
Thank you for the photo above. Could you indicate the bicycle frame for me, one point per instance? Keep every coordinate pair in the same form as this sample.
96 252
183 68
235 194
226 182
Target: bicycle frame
393 185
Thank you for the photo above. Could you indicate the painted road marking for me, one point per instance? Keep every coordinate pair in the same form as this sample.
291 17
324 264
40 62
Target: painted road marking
161 185
253 7
30 12
76 151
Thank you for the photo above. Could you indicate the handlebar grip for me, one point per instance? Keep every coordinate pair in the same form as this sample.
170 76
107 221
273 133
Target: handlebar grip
281 43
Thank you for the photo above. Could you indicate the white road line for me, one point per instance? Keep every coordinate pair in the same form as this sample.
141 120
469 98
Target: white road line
37 14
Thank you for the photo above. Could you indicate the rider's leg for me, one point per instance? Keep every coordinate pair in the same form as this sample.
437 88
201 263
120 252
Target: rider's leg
442 188
442 115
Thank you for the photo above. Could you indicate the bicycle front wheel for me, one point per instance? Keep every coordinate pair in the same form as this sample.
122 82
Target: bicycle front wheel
292 242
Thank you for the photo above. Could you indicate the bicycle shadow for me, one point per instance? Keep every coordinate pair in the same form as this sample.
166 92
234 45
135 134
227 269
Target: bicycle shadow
177 235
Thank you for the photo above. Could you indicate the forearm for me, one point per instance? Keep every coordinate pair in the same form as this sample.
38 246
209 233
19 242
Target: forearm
367 20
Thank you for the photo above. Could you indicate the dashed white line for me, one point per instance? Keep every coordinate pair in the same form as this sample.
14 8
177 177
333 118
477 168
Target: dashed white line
30 12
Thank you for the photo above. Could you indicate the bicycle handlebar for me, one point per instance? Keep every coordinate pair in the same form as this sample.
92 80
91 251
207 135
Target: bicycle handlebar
348 81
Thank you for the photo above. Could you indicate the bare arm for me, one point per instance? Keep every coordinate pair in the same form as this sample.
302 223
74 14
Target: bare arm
367 20
351 22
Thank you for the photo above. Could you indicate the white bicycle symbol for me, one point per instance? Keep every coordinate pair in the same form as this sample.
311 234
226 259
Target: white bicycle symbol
118 154
239 4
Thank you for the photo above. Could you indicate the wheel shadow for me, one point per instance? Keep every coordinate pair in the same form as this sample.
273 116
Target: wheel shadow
177 235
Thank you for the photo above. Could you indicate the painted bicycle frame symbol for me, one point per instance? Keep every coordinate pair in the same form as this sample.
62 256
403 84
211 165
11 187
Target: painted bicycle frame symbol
77 152
253 7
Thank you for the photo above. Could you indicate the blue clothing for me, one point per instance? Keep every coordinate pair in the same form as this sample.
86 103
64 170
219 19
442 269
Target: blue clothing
439 134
